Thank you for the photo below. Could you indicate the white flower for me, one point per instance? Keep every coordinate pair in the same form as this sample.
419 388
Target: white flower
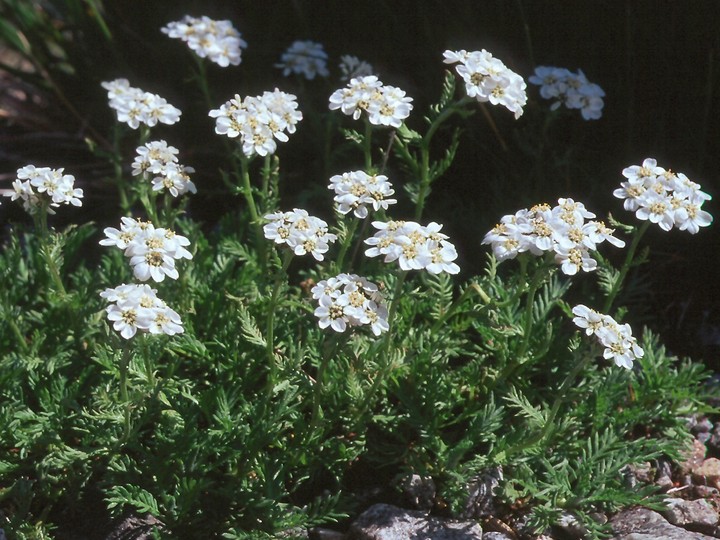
356 190
663 197
44 187
136 307
656 208
135 107
305 58
390 109
617 339
574 259
159 159
348 300
259 121
299 231
384 105
561 229
414 246
352 67
152 251
218 41
488 79
571 89
631 191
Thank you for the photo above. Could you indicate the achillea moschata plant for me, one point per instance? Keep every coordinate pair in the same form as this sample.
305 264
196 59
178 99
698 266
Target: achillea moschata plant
245 392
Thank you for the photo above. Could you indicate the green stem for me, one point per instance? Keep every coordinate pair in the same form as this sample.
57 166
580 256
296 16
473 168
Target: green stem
124 363
617 285
385 352
248 193
367 146
252 207
424 167
149 205
425 179
559 400
266 172
117 169
472 288
519 358
349 235
203 83
320 383
42 227
18 334
147 361
270 322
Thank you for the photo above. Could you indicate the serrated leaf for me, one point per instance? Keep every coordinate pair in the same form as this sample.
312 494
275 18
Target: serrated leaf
248 326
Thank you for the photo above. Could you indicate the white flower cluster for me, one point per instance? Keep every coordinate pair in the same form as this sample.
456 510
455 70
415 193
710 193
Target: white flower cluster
356 190
384 105
159 161
305 58
218 41
561 230
570 89
303 233
664 197
136 307
352 67
44 187
619 343
258 121
414 246
135 107
152 251
488 79
350 300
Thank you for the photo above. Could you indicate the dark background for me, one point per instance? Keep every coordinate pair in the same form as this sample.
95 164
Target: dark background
658 62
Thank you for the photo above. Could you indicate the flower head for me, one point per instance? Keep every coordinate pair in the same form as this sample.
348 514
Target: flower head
218 41
305 58
137 307
152 251
561 230
158 161
259 121
383 104
43 187
348 300
570 89
663 197
135 107
414 246
300 231
619 343
488 79
352 67
356 190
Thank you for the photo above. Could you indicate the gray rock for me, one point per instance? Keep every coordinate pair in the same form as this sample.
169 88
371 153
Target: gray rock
683 512
481 494
698 515
569 524
692 457
703 425
321 533
645 524
136 528
497 536
708 474
705 492
419 491
2 535
387 522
